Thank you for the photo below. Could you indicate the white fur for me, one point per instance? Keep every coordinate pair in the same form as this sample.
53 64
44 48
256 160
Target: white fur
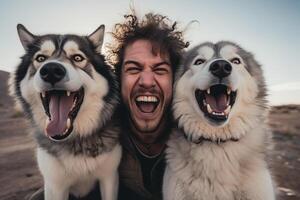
233 170
47 48
71 48
95 90
78 174
67 173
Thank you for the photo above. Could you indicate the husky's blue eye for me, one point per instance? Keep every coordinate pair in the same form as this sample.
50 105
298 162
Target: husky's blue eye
199 61
78 58
235 61
40 58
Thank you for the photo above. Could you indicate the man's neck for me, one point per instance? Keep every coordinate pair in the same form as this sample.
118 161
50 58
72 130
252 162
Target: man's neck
149 149
153 143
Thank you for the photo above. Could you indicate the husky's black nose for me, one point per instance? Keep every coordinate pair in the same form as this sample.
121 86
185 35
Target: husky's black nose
220 68
52 72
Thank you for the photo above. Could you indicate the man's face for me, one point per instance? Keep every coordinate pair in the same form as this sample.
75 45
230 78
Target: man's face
146 88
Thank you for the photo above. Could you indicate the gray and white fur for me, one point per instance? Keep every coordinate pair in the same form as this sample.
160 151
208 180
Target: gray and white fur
218 151
69 95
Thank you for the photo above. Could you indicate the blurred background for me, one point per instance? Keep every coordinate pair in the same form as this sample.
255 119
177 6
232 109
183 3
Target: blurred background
268 29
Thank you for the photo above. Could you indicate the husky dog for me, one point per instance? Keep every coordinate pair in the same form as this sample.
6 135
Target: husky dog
218 151
69 93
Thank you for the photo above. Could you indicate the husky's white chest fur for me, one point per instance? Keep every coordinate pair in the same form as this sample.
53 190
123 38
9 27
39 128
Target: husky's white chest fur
78 174
225 170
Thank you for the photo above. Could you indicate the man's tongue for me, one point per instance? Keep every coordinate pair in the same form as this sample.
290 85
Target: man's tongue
146 107
217 102
59 108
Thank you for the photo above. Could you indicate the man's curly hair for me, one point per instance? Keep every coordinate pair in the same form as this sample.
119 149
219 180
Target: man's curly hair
158 29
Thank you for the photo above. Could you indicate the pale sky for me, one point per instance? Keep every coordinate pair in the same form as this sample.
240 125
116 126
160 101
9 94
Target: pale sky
268 29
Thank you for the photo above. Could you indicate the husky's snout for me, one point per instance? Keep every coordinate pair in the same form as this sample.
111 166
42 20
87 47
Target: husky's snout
52 72
220 68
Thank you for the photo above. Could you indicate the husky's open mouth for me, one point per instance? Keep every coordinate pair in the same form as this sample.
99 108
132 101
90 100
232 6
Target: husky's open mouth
61 107
216 102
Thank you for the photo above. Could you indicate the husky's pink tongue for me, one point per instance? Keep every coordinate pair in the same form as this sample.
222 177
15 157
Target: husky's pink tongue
59 108
218 103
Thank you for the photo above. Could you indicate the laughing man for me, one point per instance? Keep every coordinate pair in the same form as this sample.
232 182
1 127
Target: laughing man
146 53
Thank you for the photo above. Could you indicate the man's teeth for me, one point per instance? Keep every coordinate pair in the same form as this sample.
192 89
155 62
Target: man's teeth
147 99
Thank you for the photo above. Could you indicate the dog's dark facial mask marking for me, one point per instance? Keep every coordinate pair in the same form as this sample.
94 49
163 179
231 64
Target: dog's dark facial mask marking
61 105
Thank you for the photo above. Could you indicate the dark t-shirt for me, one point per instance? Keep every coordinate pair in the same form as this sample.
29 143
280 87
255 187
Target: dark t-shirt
144 172
148 164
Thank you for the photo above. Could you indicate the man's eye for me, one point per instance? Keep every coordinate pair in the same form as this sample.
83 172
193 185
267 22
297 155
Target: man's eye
77 58
133 70
161 71
40 58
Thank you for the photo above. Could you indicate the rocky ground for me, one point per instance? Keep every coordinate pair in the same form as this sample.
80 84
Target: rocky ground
19 176
285 123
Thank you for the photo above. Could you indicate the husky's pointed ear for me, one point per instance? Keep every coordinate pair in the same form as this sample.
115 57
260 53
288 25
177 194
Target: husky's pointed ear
25 36
97 37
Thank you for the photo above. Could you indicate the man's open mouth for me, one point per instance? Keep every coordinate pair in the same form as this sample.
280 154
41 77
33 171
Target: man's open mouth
147 104
216 102
61 107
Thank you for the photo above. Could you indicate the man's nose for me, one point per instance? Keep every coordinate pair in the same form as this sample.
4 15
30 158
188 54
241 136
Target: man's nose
147 79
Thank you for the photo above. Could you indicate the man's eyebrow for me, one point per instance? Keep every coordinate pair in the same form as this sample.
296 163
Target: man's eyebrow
161 63
127 62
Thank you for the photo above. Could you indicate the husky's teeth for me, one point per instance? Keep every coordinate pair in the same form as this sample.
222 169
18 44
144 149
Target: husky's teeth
68 93
43 94
48 121
218 113
209 110
65 131
46 125
68 126
228 91
68 123
208 91
204 102
227 110
73 106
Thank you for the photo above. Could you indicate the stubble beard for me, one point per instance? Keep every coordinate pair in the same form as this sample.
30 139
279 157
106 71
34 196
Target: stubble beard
148 133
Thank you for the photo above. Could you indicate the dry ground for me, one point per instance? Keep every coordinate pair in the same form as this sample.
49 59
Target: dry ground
19 176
